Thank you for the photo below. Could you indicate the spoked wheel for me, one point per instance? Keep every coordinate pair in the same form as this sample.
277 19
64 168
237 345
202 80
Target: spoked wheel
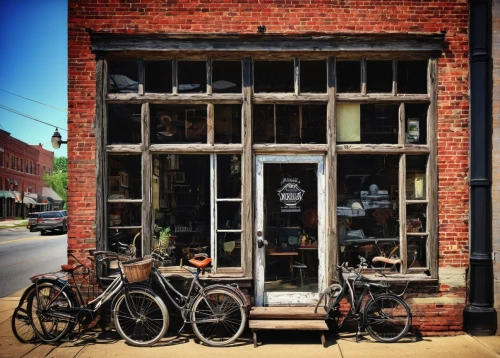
47 308
148 322
387 318
219 318
22 326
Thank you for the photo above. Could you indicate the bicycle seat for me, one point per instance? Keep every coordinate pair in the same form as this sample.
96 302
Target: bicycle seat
70 268
200 263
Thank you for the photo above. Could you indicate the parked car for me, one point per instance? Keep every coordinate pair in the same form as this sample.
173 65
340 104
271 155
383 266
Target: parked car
32 221
52 221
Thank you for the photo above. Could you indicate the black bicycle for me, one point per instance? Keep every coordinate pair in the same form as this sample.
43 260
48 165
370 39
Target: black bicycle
386 316
53 306
217 313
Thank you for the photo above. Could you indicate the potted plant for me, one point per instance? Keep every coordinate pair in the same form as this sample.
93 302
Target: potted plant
165 237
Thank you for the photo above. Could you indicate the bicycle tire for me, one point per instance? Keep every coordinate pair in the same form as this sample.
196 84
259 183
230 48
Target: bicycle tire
48 328
22 326
226 313
153 319
387 318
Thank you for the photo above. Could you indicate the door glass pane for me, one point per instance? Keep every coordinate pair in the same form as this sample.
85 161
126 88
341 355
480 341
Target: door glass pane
226 76
291 227
312 76
178 124
273 76
348 76
192 76
123 76
367 206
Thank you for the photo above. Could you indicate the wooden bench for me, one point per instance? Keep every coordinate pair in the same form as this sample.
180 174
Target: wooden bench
287 318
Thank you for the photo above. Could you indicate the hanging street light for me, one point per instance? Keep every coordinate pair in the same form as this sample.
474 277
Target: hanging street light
57 140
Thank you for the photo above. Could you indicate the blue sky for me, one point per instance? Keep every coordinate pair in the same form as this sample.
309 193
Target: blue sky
34 57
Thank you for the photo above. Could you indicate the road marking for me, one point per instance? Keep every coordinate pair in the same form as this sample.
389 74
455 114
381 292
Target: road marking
29 238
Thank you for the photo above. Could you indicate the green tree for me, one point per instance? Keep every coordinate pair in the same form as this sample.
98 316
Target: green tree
59 179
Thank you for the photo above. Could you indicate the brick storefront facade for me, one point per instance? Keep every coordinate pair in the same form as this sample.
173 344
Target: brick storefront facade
437 306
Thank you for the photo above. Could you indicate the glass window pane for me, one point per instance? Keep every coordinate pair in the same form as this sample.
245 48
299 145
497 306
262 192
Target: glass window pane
416 183
228 215
263 123
417 251
379 76
226 76
416 218
379 123
178 124
124 124
416 123
123 76
228 249
273 76
367 206
312 76
314 124
412 76
287 124
227 123
228 176
181 202
125 177
158 76
192 76
348 76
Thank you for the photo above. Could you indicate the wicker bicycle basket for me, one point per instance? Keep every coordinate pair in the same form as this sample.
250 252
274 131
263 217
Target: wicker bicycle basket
137 271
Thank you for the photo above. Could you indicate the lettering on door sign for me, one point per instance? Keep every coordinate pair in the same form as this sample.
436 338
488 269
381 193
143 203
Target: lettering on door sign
290 195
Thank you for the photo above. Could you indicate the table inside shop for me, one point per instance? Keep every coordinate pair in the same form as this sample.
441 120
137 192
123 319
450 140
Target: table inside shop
290 254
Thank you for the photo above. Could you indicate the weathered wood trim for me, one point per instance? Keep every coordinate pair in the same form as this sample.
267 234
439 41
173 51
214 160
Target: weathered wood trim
124 227
402 213
382 97
382 148
142 78
363 76
213 212
175 79
417 201
331 237
372 42
276 98
100 155
432 169
290 148
196 147
209 76
247 243
296 76
124 148
236 200
417 233
147 183
394 77
401 125
210 124
170 98
129 201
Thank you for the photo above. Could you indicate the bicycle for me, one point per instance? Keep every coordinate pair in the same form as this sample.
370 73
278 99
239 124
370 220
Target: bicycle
217 313
55 305
386 316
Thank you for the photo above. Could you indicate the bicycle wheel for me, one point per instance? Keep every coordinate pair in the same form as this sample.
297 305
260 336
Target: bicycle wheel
50 298
387 318
218 317
22 327
148 322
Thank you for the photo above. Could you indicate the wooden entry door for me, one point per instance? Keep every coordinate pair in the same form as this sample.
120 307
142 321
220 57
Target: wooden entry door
289 232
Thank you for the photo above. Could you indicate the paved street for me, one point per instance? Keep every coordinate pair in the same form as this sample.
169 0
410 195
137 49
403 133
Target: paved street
24 254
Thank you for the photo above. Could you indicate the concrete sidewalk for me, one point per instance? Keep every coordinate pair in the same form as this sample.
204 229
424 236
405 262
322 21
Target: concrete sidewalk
273 344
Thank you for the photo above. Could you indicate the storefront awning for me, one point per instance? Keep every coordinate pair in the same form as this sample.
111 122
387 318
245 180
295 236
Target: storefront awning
29 201
6 194
17 196
51 195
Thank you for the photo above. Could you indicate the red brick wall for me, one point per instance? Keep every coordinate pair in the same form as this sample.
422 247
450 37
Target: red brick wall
280 17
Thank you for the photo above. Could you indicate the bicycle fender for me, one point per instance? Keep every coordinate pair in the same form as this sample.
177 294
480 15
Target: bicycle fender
232 289
25 294
54 281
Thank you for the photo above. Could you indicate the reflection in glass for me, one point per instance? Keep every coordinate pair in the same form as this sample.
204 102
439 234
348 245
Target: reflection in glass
228 249
273 76
367 206
158 76
123 76
348 76
181 202
226 76
227 123
124 177
312 76
124 124
379 76
192 76
412 76
228 176
178 123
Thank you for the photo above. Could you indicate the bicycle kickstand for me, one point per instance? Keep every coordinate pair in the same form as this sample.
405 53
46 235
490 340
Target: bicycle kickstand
182 327
357 333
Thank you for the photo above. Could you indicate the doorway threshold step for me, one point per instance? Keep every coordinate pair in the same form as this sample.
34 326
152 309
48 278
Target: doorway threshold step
288 324
287 313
